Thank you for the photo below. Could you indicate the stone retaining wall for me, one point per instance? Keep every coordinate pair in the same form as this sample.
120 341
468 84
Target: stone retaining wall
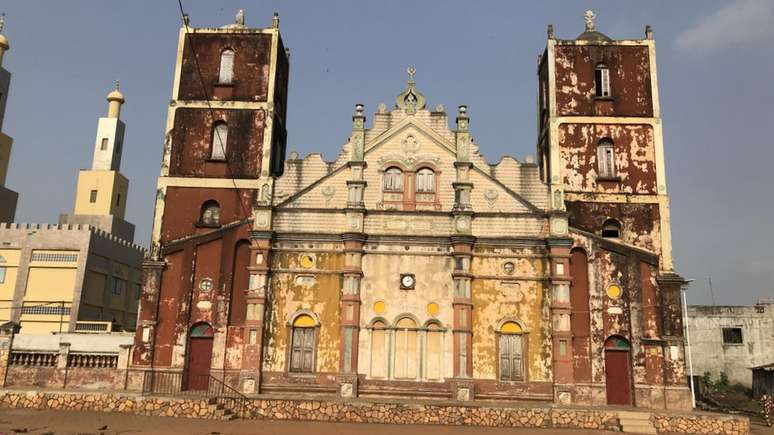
372 412
396 413
701 424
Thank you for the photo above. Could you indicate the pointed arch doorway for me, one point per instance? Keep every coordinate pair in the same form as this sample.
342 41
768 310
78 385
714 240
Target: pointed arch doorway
199 357
618 371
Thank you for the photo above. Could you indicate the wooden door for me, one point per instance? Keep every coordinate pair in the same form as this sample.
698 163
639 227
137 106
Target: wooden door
617 377
302 356
199 360
510 357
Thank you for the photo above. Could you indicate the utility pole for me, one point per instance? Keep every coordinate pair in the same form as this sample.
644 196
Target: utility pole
712 292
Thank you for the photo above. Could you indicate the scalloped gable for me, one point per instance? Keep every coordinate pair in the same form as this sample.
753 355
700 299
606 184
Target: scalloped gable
410 144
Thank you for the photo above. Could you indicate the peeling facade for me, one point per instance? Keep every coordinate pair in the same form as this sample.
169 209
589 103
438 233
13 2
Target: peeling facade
409 266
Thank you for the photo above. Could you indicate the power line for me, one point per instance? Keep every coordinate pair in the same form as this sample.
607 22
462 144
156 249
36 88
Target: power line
185 17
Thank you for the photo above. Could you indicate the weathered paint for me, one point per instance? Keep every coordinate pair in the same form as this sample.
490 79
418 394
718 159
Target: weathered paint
489 243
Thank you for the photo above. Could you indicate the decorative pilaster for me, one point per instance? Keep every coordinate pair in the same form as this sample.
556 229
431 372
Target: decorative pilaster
257 297
462 305
349 320
559 277
152 271
354 240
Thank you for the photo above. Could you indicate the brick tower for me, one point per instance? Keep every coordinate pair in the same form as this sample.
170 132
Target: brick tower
601 152
225 144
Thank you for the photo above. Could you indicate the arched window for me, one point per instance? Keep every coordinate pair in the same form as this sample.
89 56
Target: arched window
303 344
226 74
602 80
378 350
434 352
606 158
406 349
611 228
510 349
219 141
393 179
210 214
425 180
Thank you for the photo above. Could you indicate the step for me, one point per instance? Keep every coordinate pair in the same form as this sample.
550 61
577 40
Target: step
633 415
638 428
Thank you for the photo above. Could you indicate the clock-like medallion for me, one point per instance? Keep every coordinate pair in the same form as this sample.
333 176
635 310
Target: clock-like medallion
407 281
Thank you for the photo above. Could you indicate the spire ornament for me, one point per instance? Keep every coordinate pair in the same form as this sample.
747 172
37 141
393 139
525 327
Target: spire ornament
410 100
2 22
240 18
590 16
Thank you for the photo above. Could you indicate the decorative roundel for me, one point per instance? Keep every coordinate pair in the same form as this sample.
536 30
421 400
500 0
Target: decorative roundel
509 268
433 309
614 291
307 261
205 284
379 307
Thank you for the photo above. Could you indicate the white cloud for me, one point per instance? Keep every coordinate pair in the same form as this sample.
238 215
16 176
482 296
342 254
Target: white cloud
738 22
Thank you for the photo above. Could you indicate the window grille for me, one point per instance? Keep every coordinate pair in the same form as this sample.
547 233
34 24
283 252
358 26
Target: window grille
46 310
54 257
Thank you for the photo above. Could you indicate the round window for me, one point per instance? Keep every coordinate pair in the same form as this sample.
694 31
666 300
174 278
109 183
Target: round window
307 261
379 307
614 291
509 268
433 309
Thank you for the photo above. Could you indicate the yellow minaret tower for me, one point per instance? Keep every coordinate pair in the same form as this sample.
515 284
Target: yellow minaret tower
7 197
100 198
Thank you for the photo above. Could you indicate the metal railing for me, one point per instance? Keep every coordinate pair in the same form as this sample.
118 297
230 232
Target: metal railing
201 386
93 327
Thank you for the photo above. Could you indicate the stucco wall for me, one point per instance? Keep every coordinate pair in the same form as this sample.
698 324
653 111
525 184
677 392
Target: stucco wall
710 354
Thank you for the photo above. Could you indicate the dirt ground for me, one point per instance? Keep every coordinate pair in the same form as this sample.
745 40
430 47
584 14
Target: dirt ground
82 423
57 422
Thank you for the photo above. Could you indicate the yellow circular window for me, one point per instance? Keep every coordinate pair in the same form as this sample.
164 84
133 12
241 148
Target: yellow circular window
433 308
379 307
614 291
307 261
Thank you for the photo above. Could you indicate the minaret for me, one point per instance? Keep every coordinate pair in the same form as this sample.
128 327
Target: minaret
8 197
100 198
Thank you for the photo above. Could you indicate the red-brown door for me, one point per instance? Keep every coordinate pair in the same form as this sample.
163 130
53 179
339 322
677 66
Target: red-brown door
619 390
199 360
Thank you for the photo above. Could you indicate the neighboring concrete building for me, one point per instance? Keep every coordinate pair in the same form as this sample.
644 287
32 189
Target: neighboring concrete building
731 340
84 272
8 197
409 266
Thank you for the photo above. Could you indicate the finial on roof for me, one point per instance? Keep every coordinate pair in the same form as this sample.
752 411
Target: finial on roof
410 100
590 16
186 20
550 31
275 20
2 22
648 32
240 18
118 85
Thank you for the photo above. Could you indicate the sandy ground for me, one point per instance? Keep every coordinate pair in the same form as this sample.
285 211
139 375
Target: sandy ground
58 422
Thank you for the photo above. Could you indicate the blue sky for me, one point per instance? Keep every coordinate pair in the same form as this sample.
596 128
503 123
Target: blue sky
715 63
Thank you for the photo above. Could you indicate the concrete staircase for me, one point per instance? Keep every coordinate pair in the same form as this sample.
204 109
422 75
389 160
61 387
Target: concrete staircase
636 422
219 410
